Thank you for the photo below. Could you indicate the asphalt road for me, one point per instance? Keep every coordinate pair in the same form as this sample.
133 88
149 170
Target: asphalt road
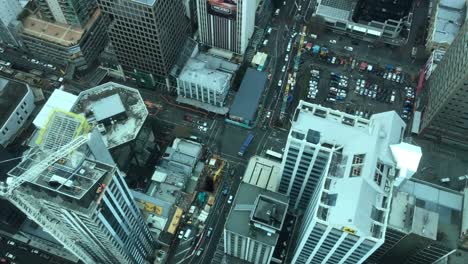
23 253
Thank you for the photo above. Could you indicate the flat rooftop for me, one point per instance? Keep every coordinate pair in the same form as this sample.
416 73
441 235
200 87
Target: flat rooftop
11 94
75 176
120 131
269 212
409 218
248 97
449 17
62 34
383 10
206 74
246 204
60 100
361 149
263 173
447 204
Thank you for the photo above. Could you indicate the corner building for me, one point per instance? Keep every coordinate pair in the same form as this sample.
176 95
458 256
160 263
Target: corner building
226 24
446 116
339 171
147 36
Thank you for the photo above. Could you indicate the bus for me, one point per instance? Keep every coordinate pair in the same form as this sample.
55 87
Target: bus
246 143
274 154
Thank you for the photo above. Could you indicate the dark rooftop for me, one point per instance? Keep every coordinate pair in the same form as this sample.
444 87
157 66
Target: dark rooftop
11 94
247 98
383 10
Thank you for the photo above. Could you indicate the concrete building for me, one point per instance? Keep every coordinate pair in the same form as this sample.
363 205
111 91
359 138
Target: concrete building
447 18
340 169
244 108
118 112
445 117
423 225
385 21
226 25
147 36
69 185
205 82
69 12
8 13
253 225
77 44
16 105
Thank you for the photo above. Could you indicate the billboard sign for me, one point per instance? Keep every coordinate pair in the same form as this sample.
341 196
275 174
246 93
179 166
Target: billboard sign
223 8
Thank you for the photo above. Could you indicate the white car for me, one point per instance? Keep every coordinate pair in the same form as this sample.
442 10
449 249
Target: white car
280 83
348 48
230 199
283 69
286 58
11 242
35 251
10 256
332 41
181 234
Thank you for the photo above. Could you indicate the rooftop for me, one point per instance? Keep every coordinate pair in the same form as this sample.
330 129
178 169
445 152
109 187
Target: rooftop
432 200
251 213
263 173
76 178
449 17
11 94
269 212
361 168
62 34
102 102
60 100
248 97
407 217
338 9
205 71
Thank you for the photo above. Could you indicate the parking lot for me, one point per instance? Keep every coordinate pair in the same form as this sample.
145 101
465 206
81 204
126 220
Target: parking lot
353 86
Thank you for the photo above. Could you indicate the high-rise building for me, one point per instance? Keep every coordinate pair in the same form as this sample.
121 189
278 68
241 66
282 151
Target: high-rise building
341 170
8 12
147 36
69 184
445 118
70 12
69 32
226 24
419 228
253 225
16 105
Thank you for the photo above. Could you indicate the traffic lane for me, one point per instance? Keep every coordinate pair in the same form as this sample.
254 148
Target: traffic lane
16 57
218 228
23 254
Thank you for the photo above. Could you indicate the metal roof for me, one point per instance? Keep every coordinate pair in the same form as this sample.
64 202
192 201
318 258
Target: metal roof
58 100
246 102
108 107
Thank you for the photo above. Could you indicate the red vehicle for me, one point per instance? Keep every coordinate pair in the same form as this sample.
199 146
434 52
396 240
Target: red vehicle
188 118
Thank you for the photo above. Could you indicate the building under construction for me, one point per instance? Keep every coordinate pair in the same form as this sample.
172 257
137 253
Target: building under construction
68 183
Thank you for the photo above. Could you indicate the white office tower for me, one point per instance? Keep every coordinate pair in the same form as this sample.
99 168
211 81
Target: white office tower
69 184
341 168
226 24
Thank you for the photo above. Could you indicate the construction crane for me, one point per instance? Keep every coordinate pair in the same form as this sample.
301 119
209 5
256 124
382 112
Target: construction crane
32 207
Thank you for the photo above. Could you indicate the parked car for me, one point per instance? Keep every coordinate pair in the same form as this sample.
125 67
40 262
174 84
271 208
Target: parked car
332 41
348 48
